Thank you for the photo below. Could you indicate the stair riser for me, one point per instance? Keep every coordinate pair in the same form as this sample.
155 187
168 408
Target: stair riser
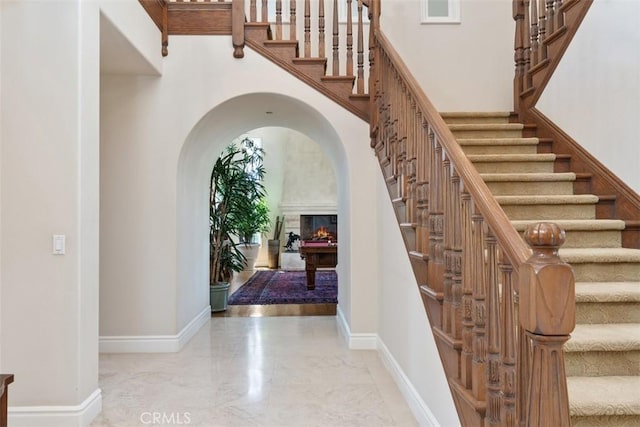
606 272
514 167
591 239
499 149
480 120
602 363
607 420
503 188
401 212
409 236
287 53
607 312
488 133
549 212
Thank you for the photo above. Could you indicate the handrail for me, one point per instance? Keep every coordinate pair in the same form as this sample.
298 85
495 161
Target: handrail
484 290
515 248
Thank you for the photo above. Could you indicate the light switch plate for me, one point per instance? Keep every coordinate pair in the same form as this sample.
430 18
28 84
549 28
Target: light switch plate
59 243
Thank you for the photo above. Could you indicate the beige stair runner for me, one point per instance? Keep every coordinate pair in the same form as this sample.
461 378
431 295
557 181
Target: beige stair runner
603 354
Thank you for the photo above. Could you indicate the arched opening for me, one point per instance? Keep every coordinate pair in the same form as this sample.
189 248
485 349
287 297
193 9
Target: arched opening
210 135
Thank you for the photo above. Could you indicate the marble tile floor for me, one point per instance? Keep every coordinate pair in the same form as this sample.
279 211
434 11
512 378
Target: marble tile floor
253 371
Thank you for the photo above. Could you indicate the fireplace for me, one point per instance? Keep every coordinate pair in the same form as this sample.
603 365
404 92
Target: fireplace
319 228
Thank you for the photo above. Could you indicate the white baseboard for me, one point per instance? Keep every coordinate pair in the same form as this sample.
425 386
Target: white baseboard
57 416
155 343
355 341
420 410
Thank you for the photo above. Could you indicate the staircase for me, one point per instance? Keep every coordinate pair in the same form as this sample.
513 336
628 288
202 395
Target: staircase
603 355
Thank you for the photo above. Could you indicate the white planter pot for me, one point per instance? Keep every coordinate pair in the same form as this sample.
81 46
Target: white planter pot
250 252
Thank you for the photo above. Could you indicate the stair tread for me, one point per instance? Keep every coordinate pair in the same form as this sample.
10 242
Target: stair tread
472 114
526 177
587 255
604 337
543 157
576 224
586 395
607 292
548 199
497 141
486 126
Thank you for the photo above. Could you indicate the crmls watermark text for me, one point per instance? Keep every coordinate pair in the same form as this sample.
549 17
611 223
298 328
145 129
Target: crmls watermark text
165 418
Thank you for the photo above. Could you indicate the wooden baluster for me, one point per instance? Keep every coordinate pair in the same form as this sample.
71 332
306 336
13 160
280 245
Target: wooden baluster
360 80
253 11
508 342
494 403
336 40
527 45
412 139
542 31
165 28
292 20
436 266
349 39
478 367
423 164
264 11
523 363
307 28
278 19
551 16
468 271
321 40
447 246
547 313
559 15
456 257
518 54
534 32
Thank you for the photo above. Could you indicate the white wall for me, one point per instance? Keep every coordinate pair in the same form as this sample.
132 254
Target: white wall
402 321
49 126
146 121
461 67
605 55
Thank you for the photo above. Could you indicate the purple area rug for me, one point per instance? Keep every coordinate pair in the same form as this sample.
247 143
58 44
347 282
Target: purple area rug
286 287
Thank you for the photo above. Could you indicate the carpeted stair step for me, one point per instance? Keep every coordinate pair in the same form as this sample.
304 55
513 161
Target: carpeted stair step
513 163
607 302
489 130
548 207
603 350
476 118
589 233
499 145
514 184
604 401
603 264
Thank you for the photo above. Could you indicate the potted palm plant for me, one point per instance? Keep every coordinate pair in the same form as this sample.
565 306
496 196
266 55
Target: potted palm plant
251 220
236 182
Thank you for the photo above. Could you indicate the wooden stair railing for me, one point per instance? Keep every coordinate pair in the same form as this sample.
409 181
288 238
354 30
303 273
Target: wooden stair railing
262 25
544 30
5 380
486 295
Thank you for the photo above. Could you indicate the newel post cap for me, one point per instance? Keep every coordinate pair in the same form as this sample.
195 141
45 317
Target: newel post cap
547 284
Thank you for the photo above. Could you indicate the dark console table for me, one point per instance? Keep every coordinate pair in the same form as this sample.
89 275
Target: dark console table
317 255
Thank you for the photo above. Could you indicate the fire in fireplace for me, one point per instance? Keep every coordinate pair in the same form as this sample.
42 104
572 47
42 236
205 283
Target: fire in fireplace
319 227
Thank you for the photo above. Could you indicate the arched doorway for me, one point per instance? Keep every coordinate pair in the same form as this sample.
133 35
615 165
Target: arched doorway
207 139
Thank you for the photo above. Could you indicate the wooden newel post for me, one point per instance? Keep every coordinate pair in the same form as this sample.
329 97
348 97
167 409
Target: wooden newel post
237 28
547 313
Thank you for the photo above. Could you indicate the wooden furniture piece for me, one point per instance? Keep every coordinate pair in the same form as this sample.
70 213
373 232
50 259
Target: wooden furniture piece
317 255
5 380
